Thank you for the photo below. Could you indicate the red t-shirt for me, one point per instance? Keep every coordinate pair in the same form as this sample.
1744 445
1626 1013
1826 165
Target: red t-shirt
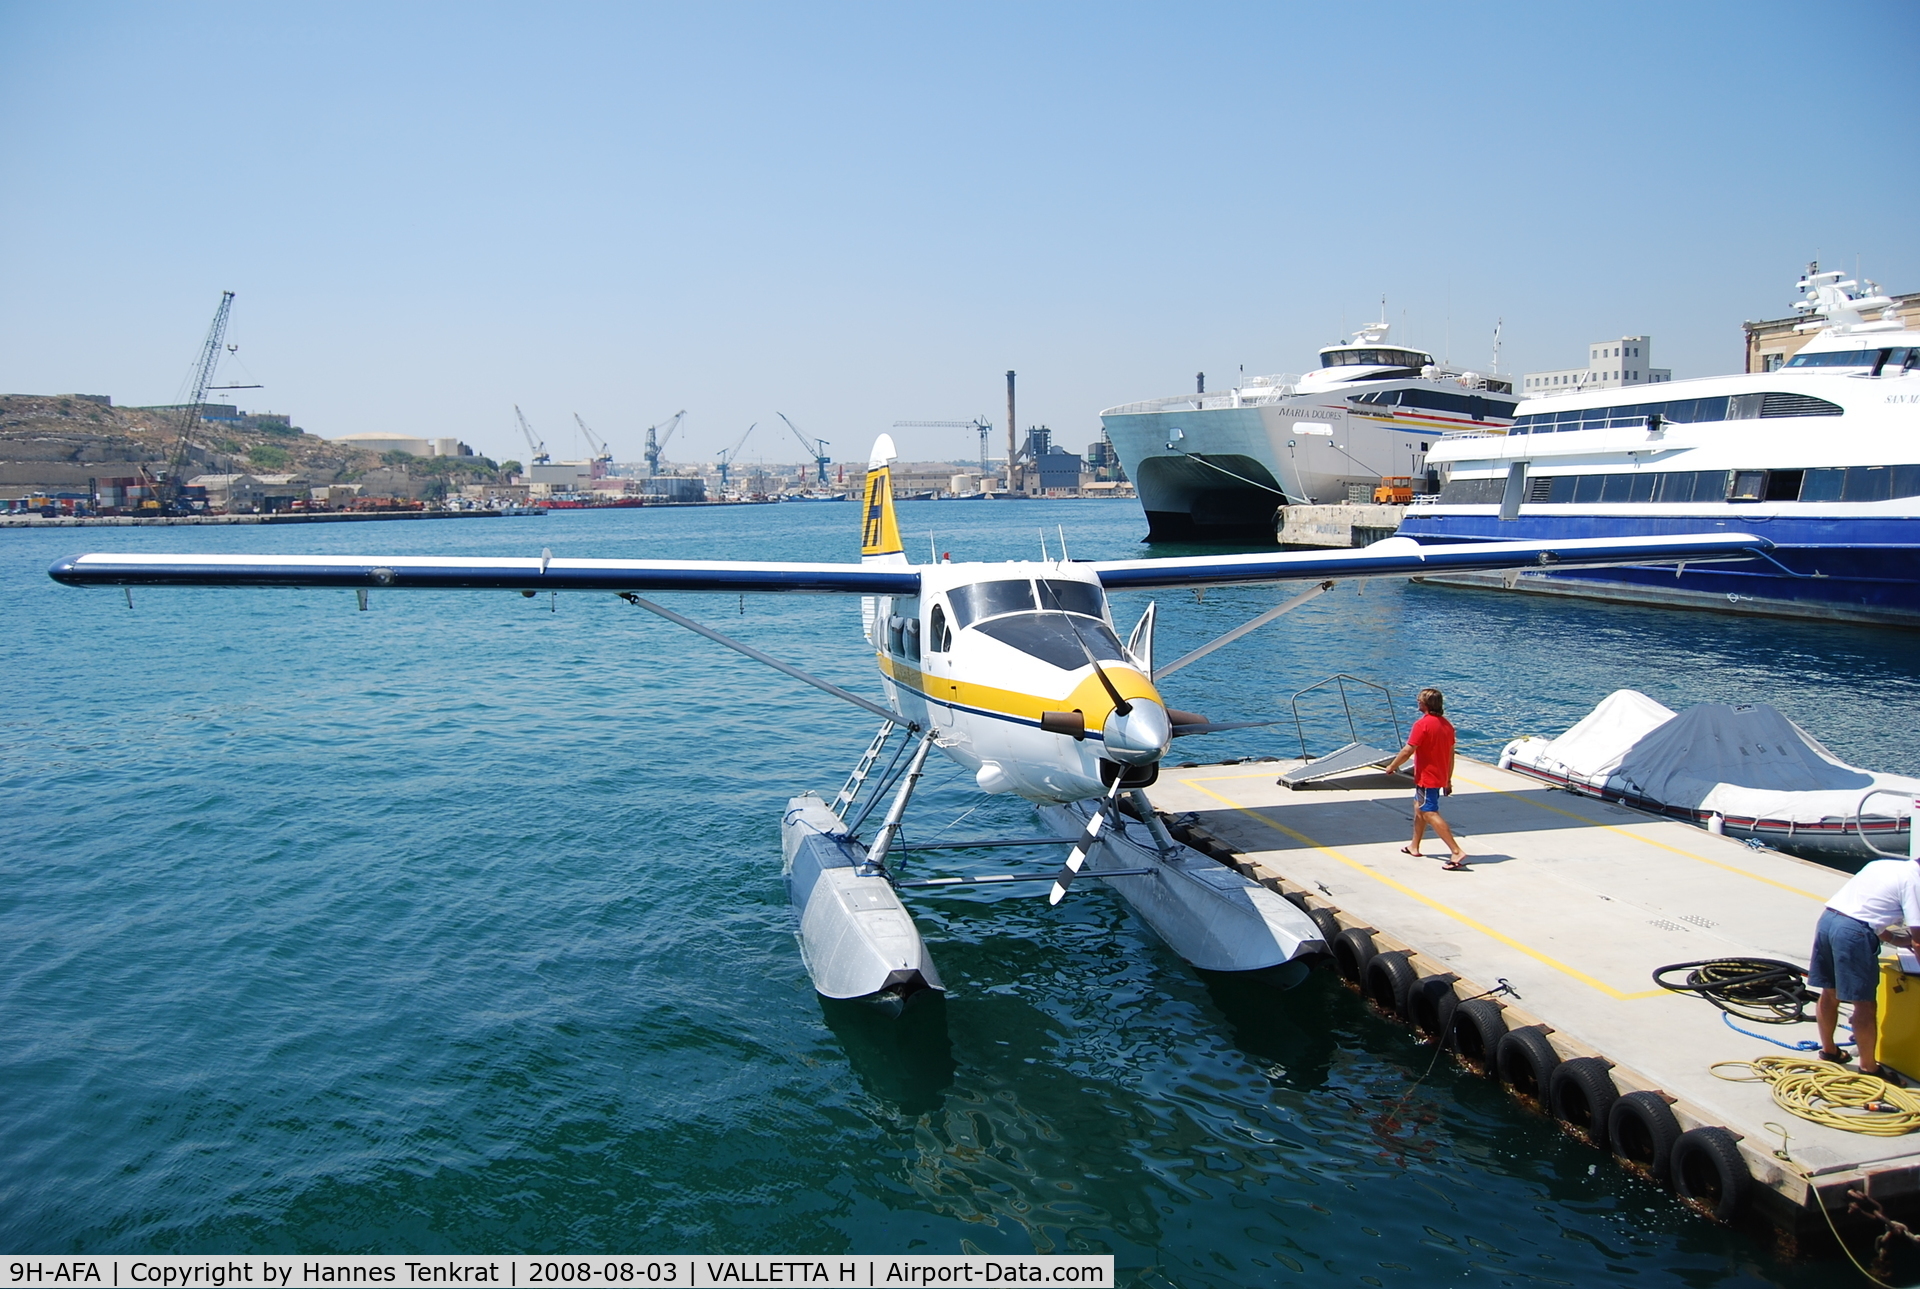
1432 742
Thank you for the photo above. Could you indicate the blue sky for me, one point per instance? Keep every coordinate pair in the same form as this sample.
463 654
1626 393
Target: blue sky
862 213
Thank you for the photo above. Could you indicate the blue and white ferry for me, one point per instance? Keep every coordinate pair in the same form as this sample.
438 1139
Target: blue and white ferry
1821 456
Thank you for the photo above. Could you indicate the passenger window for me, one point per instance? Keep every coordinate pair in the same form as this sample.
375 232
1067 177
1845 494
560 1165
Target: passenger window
1868 483
1748 485
938 638
1784 485
1823 485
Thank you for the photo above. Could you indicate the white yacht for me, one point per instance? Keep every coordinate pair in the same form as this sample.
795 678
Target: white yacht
1821 456
1216 467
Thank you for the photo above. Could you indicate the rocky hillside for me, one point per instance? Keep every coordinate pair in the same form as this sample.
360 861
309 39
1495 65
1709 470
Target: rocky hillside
56 442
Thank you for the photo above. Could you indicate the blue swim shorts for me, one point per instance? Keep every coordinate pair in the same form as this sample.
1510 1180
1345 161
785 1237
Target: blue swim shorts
1846 958
1427 800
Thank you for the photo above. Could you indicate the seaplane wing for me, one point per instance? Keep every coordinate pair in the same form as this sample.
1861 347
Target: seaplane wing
1404 557
1395 557
489 573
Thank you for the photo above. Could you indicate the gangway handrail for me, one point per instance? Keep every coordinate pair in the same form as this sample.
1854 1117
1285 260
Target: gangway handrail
1854 819
1340 679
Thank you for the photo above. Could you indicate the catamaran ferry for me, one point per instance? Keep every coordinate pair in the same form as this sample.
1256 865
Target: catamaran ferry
1821 456
1218 466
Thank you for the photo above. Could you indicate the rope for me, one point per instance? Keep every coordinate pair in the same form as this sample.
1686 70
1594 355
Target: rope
1804 1045
1824 1093
1763 990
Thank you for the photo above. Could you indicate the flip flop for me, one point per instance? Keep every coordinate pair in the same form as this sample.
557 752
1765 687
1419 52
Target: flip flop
1455 866
1408 850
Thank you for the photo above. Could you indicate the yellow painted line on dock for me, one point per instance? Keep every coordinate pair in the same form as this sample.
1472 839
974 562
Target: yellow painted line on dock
1615 828
1577 974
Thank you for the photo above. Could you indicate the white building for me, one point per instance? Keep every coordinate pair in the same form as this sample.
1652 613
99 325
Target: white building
1611 364
402 443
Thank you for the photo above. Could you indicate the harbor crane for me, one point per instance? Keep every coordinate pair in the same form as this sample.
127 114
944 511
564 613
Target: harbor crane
815 448
657 442
166 491
602 453
727 456
979 423
538 445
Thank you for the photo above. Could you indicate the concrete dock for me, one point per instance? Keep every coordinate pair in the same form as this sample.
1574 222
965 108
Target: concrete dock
1575 902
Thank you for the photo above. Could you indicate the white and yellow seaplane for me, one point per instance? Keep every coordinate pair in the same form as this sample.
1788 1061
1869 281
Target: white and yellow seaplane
1013 670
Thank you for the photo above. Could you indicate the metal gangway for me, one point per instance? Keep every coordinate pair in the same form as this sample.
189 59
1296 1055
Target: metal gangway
1357 753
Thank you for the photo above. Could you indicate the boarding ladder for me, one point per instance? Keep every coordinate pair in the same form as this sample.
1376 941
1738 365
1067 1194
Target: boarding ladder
859 776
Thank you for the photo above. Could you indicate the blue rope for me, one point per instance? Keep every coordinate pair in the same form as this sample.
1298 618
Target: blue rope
1804 1045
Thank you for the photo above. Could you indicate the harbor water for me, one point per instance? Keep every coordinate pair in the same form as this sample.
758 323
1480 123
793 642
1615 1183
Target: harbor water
456 925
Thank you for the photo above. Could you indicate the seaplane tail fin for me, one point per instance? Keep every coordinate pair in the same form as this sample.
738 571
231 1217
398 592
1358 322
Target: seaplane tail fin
879 529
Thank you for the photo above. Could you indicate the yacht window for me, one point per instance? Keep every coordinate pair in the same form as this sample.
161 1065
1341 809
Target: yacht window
988 599
1748 485
1823 485
1839 358
1906 481
1868 483
1642 489
1783 485
1586 488
1616 487
1050 637
1072 597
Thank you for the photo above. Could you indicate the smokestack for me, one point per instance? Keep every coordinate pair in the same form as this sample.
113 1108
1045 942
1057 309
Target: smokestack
1013 448
1199 382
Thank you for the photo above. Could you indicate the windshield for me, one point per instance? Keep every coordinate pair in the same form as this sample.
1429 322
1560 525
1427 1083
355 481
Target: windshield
1051 637
1074 597
988 599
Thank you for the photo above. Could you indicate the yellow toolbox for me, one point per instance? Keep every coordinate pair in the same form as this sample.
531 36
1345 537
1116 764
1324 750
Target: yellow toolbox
1899 1017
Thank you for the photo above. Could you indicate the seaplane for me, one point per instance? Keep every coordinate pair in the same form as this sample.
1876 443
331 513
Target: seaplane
1016 671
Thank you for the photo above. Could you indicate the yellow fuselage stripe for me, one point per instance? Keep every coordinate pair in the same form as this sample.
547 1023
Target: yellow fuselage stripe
1089 697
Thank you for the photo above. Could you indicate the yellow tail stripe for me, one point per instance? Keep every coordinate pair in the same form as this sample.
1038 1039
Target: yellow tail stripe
879 530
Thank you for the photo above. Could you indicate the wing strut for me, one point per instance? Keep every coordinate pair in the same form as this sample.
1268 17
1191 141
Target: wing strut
1312 592
747 649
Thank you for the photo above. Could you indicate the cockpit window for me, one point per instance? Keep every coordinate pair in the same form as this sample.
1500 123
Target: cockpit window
1050 638
987 599
1375 358
1073 597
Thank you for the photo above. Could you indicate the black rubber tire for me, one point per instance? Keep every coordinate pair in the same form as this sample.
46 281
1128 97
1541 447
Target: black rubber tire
1299 900
1709 1174
1352 951
1329 926
1389 981
1475 1033
1641 1131
1430 1007
1580 1096
1526 1061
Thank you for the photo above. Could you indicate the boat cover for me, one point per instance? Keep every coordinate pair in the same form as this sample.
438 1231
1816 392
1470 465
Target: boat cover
1747 761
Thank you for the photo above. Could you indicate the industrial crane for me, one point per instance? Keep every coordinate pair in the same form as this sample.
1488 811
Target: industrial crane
167 490
602 453
728 454
657 442
980 423
816 448
538 445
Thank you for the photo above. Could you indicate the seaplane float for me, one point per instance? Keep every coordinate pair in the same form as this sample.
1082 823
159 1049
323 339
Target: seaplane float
1014 670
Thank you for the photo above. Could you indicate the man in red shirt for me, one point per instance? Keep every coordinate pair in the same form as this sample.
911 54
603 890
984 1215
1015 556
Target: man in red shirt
1430 744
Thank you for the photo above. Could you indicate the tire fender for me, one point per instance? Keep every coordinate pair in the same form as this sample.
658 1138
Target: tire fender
1352 951
1389 981
1580 1096
1709 1174
1641 1131
1525 1060
1474 1035
1431 1006
1329 926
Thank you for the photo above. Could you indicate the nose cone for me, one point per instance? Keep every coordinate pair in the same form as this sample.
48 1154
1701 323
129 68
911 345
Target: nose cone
1141 736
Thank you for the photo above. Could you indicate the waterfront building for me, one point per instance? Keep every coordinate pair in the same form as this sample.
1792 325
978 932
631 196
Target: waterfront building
1619 363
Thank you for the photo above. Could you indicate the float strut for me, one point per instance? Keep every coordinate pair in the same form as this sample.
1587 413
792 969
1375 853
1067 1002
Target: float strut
877 856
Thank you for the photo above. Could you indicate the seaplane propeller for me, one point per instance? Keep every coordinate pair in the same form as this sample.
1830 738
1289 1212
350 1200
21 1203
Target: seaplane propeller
1012 670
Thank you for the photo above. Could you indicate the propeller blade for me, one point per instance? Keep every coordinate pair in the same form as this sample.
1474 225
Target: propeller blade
1214 727
1078 856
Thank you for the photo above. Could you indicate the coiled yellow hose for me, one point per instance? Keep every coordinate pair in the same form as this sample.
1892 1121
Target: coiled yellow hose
1825 1093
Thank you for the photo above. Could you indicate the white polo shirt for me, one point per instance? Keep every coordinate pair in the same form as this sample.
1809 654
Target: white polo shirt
1883 893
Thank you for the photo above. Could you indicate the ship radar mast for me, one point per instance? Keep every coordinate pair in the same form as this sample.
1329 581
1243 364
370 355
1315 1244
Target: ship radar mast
1834 304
